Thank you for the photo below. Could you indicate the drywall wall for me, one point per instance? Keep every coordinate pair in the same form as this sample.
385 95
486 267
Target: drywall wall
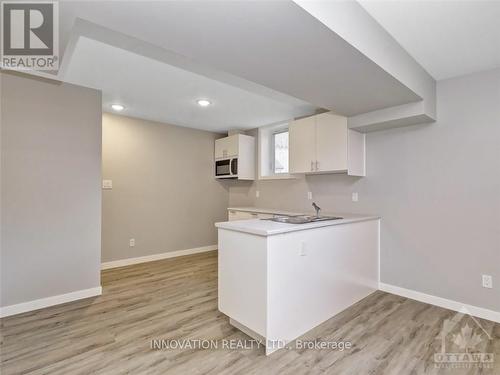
164 192
50 189
436 187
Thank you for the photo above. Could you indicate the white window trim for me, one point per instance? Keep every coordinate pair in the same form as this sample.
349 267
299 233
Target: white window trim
273 151
266 153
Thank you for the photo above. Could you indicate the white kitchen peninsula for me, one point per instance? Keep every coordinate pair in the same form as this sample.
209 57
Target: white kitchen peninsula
277 281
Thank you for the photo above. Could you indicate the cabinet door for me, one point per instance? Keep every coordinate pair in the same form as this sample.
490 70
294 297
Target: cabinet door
226 147
302 148
265 216
232 215
331 142
242 215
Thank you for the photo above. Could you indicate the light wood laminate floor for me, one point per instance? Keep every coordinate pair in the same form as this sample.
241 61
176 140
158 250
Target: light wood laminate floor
177 299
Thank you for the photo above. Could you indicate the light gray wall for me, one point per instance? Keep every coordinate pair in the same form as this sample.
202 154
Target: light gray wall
164 192
50 188
437 188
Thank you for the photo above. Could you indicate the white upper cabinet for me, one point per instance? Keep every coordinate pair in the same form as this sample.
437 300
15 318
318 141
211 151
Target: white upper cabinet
331 145
302 149
324 144
235 157
227 147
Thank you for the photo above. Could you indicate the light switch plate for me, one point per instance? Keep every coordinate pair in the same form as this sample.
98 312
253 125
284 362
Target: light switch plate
355 197
257 193
131 242
309 195
107 184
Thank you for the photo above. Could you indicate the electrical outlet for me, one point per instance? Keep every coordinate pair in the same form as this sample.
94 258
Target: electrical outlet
354 197
131 242
107 184
487 281
309 195
257 193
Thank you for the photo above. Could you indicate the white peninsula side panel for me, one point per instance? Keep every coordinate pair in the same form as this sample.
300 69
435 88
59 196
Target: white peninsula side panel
315 274
243 278
276 287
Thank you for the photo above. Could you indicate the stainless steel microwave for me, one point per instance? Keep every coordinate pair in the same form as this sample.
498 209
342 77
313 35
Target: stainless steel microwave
226 168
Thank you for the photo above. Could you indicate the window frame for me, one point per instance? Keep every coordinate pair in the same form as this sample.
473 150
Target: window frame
265 147
273 150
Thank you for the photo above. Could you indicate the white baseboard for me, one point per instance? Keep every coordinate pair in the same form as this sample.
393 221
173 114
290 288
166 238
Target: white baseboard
49 301
151 258
478 312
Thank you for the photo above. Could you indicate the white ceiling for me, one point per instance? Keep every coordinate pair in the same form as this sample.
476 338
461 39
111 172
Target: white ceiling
158 91
448 38
273 44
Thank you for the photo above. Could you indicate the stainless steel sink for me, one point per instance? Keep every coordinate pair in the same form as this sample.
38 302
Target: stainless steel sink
302 219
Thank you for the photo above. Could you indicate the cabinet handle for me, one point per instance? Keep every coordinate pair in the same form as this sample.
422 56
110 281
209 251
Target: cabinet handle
317 165
312 166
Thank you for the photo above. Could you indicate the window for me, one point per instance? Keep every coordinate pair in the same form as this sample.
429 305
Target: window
280 151
272 159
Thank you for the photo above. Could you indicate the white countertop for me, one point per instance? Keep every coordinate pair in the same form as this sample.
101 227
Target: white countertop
260 210
269 228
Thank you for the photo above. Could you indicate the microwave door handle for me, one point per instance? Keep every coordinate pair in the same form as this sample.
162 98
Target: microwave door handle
234 166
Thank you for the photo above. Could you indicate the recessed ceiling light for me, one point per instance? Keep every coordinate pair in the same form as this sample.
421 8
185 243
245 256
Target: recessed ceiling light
117 107
203 102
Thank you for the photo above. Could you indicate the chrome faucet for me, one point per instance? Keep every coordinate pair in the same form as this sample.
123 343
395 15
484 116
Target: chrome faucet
317 208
